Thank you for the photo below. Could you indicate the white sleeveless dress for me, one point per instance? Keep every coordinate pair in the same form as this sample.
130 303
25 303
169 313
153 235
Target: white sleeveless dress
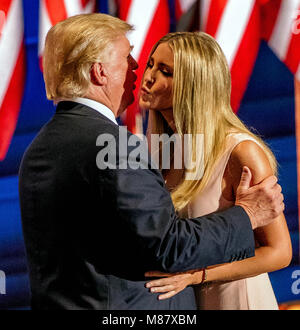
253 293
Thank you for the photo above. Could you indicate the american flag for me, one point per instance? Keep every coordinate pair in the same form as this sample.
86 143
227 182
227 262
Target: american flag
281 31
54 11
238 35
240 26
12 70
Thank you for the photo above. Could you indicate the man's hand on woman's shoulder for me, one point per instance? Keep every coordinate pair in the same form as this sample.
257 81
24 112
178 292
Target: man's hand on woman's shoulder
262 202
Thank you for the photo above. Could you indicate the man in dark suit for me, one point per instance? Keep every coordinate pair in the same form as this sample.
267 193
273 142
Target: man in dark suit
92 230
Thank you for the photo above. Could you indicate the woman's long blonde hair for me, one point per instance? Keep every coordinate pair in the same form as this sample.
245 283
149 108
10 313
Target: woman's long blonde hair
201 105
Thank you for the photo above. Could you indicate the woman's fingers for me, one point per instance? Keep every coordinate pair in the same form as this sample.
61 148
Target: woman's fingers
171 279
167 295
170 285
165 288
160 282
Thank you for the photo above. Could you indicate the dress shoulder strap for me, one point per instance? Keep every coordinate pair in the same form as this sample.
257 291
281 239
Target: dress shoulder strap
233 140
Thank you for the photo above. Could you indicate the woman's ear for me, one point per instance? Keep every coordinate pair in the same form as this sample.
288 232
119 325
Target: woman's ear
98 74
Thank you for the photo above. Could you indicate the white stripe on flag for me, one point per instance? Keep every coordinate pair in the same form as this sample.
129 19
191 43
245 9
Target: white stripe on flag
10 44
73 7
232 26
140 15
44 27
204 12
282 32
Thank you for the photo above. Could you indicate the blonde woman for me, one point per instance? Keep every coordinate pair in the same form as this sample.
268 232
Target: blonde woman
186 86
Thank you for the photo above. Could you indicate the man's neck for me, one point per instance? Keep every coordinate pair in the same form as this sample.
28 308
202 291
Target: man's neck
102 98
98 106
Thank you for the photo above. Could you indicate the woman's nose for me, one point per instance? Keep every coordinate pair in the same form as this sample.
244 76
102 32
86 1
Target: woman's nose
149 77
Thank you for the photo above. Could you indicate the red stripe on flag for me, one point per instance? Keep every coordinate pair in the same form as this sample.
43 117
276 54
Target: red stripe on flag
292 59
244 61
56 10
84 3
11 104
124 9
215 13
5 5
269 14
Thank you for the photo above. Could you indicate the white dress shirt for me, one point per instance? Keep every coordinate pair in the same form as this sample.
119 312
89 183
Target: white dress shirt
104 110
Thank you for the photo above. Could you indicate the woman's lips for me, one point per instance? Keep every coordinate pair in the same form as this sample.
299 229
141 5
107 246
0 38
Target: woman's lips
144 91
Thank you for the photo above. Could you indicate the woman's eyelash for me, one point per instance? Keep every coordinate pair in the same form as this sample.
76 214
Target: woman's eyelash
168 74
165 73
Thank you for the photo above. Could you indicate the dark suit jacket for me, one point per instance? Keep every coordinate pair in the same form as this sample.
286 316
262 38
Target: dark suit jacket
90 234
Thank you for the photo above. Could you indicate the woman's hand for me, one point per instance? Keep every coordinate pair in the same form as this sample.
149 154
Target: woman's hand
171 284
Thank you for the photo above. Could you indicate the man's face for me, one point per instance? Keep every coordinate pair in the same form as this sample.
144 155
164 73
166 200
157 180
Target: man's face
120 68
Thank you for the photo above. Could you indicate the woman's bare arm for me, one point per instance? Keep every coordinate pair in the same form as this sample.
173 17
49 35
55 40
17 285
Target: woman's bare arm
274 251
274 246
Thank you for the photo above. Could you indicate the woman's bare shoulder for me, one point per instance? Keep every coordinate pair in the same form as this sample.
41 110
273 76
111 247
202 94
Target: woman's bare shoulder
249 153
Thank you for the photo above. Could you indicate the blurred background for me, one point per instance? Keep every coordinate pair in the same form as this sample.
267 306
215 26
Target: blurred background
261 40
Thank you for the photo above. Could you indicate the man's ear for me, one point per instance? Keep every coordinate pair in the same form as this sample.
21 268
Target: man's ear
98 74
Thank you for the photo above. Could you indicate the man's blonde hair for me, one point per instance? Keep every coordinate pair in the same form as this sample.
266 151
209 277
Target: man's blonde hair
72 46
201 105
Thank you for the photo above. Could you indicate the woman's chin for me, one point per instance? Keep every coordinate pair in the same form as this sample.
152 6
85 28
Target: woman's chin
144 105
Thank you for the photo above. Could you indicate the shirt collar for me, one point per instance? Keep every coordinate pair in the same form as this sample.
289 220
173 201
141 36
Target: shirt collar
104 110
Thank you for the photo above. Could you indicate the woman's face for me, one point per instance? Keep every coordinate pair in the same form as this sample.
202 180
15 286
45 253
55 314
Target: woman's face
157 84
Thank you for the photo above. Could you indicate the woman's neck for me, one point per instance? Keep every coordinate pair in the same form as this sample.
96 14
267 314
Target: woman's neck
169 118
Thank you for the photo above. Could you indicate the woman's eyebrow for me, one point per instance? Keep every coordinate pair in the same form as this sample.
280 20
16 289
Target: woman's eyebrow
164 65
161 64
